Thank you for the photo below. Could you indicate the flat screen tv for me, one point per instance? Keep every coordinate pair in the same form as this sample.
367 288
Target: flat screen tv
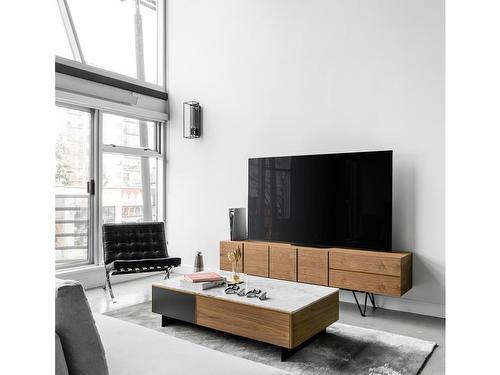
323 200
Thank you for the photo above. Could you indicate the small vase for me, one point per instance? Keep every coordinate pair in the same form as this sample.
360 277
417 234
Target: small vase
198 262
236 277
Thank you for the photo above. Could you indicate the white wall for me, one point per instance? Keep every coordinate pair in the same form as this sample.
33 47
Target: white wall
285 77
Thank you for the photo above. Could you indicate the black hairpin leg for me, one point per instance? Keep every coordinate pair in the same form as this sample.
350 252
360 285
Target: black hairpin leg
372 300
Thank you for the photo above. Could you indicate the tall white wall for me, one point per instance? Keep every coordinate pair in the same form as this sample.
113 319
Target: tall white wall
286 77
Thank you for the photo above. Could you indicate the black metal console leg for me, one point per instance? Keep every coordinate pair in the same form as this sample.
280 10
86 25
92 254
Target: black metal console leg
367 295
287 353
372 300
362 312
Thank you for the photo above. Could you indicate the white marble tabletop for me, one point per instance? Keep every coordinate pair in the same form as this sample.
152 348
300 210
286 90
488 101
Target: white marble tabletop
284 296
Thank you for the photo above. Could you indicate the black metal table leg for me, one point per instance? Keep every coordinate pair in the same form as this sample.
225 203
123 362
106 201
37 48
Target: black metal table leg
287 353
166 320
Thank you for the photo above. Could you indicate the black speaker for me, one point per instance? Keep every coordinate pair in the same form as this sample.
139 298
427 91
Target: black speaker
238 224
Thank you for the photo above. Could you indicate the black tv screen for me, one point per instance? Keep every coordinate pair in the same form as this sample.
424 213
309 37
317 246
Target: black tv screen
323 200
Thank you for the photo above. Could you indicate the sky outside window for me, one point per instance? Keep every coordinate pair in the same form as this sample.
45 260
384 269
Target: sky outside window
106 30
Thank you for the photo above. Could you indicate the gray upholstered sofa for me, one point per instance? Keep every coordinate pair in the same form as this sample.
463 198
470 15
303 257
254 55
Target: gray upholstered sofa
94 344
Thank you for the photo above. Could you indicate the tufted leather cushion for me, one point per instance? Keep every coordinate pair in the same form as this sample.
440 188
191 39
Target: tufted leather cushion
141 263
134 241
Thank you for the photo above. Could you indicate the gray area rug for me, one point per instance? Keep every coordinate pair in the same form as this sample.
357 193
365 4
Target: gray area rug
343 349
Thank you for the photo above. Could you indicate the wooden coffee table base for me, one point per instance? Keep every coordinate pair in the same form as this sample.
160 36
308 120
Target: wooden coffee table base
288 330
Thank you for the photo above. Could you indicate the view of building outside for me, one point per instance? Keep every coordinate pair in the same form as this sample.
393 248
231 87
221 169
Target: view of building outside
72 173
122 191
123 179
129 181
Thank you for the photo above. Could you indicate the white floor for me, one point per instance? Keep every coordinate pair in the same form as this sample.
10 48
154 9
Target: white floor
424 327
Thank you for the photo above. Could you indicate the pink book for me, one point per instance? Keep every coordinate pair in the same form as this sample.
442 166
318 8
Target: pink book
203 276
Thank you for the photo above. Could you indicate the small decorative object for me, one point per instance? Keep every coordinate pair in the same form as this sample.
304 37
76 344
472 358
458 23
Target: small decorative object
232 289
253 293
234 257
198 262
191 119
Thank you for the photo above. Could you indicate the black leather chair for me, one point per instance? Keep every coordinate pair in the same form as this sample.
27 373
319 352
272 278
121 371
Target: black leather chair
135 247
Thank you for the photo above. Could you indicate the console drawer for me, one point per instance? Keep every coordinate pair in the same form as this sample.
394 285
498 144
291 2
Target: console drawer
283 262
366 261
312 266
366 282
256 259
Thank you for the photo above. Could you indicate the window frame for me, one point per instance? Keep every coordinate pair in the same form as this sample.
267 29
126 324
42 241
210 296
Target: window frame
79 59
79 85
92 172
159 154
71 33
109 78
95 254
130 150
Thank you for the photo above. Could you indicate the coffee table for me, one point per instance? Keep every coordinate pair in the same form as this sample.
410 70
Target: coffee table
290 318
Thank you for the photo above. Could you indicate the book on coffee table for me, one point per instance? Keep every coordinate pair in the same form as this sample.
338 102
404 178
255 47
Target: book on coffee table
203 285
203 276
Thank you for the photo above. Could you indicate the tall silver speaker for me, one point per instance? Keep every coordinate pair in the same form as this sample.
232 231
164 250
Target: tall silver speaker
238 224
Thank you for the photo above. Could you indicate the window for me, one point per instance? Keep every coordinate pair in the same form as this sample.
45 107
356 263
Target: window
122 156
130 187
130 168
121 36
111 111
62 44
129 132
72 201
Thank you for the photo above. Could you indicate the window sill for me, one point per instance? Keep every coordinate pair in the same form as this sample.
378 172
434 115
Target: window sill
93 275
76 269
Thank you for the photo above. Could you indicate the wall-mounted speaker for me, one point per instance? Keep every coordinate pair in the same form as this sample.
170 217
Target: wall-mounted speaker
238 224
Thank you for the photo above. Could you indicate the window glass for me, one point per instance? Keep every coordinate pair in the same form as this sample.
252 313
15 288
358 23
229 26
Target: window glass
71 175
130 193
63 48
122 36
129 132
127 185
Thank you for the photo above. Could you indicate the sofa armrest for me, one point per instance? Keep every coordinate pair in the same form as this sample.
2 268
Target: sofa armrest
75 327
